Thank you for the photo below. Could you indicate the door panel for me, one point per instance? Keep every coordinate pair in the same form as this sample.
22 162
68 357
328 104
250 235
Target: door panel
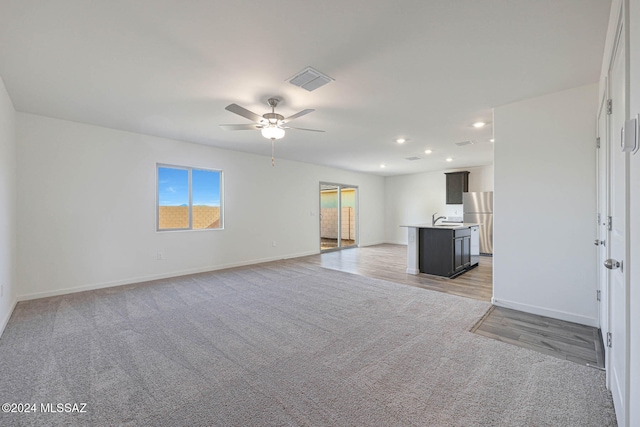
329 217
347 217
618 198
458 249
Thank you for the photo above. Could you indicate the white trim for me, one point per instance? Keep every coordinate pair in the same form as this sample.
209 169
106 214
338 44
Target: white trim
541 311
5 321
396 242
64 291
378 242
142 279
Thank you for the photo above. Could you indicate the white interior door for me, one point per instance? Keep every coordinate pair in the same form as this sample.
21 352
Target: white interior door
617 242
602 159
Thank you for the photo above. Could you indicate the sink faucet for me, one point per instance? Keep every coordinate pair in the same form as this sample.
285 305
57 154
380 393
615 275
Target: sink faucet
434 219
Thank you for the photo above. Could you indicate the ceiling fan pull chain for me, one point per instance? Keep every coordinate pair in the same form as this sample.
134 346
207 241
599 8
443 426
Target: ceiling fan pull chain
273 161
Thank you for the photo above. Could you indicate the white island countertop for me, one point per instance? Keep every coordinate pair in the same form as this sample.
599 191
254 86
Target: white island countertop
445 225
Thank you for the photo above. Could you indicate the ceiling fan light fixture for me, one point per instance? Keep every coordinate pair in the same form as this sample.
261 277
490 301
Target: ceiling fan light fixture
272 132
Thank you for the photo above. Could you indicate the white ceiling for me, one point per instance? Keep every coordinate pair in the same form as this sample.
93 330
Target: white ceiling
422 69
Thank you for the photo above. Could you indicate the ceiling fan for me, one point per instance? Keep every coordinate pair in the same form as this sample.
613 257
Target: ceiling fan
271 125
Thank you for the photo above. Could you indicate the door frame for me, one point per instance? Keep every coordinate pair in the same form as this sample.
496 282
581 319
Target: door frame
339 187
602 210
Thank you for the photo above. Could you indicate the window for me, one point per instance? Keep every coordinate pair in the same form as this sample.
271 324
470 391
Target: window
188 198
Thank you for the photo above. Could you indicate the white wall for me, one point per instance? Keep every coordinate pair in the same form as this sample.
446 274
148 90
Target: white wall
412 199
86 208
8 281
634 235
544 204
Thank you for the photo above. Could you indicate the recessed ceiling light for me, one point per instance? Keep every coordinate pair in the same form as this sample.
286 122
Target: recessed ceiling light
491 140
449 159
479 124
401 140
428 151
383 166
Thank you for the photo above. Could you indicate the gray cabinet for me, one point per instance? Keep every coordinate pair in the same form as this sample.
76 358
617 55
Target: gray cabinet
457 183
444 252
461 252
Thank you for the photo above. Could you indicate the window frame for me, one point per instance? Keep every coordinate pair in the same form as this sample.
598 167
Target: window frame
189 170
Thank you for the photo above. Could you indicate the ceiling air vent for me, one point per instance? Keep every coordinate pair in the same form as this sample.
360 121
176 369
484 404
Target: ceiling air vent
412 158
310 79
463 143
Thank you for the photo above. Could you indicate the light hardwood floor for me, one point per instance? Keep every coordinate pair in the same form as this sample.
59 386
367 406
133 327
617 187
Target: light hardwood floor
565 340
389 262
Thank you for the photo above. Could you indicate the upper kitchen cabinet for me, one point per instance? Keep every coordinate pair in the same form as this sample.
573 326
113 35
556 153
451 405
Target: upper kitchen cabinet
457 183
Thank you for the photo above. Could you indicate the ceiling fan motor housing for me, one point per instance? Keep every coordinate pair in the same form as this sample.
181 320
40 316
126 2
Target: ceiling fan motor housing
273 117
273 102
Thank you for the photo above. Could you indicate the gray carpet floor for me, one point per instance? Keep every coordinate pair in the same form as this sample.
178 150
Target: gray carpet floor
282 344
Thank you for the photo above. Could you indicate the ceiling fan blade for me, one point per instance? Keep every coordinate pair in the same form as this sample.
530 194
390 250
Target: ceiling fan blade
252 126
311 130
299 114
241 111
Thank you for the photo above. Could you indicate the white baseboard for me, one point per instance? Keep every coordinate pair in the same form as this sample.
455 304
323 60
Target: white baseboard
399 242
5 320
141 279
547 312
380 242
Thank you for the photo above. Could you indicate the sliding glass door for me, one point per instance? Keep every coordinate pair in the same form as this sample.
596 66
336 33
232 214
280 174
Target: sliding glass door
338 216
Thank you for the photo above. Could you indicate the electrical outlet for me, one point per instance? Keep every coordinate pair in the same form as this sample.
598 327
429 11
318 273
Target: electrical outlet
160 256
273 243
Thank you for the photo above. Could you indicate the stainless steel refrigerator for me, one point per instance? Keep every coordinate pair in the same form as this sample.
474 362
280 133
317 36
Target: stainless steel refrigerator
478 208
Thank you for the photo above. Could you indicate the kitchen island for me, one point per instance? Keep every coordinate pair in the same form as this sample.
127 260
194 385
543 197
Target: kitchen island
446 250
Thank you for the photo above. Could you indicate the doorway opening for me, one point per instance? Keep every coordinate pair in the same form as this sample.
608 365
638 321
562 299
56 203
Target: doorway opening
338 216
